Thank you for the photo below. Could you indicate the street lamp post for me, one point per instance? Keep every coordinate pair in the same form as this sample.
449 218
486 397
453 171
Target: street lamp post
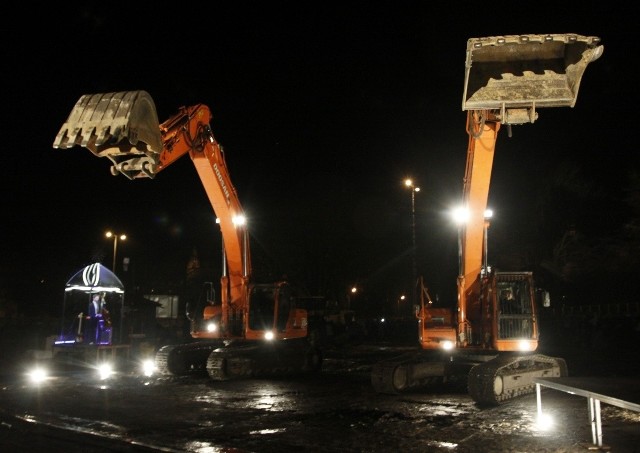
400 302
115 237
414 270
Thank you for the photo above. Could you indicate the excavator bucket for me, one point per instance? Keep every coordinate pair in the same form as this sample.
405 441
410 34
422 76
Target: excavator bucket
117 126
516 74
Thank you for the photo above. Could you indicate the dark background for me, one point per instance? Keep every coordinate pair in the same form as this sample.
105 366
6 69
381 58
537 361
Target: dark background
323 110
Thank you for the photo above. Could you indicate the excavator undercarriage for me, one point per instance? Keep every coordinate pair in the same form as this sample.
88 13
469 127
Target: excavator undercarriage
237 359
489 379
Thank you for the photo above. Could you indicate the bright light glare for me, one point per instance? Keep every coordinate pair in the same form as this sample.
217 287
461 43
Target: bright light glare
447 345
212 327
105 370
545 422
524 345
239 220
110 234
38 375
268 335
460 215
148 367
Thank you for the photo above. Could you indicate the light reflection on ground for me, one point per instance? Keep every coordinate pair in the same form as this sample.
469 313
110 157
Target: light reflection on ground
334 411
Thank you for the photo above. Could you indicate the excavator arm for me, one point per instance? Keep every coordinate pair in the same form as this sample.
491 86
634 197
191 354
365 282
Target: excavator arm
507 78
257 329
482 128
123 127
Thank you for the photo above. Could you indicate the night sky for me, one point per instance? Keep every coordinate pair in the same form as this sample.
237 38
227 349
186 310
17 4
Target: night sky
322 110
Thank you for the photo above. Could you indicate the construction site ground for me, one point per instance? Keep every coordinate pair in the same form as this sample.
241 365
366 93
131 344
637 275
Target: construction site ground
335 410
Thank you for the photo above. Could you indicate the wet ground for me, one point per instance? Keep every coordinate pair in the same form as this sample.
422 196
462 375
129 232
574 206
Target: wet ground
333 411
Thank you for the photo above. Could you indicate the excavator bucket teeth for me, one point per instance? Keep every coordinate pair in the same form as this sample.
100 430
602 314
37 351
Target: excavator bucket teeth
111 124
526 71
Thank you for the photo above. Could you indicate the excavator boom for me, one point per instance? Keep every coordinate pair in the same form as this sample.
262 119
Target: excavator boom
124 128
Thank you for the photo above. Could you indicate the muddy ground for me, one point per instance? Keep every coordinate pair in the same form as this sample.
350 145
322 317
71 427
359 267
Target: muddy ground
332 411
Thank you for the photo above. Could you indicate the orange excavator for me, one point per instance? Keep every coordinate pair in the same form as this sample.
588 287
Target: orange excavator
256 329
489 341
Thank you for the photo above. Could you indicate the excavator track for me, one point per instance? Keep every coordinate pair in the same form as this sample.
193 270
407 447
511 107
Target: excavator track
392 376
489 381
184 359
417 369
507 377
259 359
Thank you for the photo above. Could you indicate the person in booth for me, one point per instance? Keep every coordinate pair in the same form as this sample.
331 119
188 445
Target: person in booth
94 315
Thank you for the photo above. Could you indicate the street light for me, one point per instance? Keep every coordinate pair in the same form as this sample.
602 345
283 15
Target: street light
400 301
115 237
351 293
414 271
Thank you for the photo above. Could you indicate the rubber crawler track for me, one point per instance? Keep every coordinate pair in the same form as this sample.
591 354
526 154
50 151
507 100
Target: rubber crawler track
482 377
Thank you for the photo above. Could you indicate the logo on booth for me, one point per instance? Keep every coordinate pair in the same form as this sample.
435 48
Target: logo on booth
91 275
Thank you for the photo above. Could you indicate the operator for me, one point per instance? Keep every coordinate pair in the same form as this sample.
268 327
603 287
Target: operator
508 303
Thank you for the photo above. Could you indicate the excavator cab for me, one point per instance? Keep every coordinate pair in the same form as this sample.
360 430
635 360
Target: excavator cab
273 311
516 309
516 74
